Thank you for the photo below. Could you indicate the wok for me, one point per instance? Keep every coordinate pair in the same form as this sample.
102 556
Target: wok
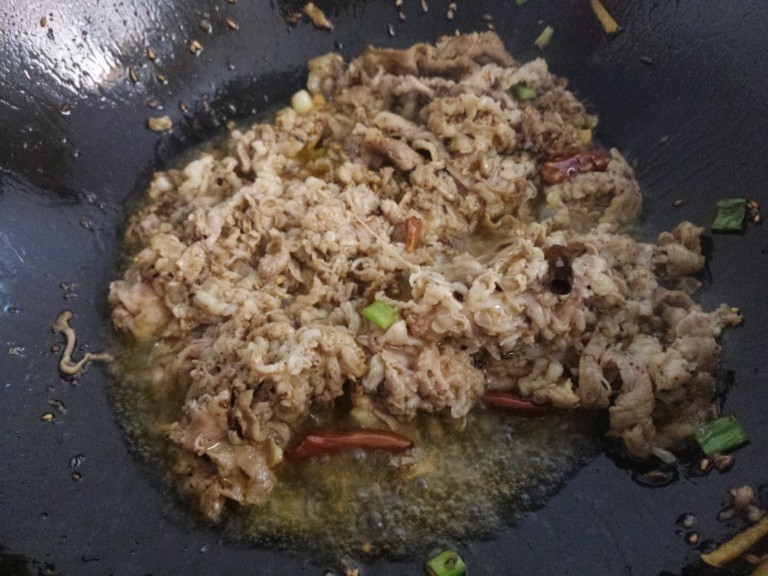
683 91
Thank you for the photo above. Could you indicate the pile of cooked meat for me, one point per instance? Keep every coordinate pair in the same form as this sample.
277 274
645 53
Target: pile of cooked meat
462 189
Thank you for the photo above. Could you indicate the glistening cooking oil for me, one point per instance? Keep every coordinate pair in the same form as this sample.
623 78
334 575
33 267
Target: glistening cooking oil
458 483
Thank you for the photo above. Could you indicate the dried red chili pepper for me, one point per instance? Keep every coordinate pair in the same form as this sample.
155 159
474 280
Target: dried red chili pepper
565 166
513 402
322 442
560 272
412 233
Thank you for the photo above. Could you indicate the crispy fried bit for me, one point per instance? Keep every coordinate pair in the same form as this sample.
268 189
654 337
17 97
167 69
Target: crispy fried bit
66 365
195 47
318 17
160 123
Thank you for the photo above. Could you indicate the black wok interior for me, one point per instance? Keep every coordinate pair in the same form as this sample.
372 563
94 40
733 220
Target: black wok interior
682 91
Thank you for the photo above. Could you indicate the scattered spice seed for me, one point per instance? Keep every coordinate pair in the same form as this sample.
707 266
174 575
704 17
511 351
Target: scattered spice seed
754 513
160 123
726 514
655 478
76 460
76 476
724 462
232 1
232 24
161 78
401 16
153 103
692 538
398 3
205 25
293 18
663 140
704 464
43 22
677 203
686 520
391 30
183 107
663 454
48 417
544 38
195 47
647 60
424 6
132 75
151 54
318 17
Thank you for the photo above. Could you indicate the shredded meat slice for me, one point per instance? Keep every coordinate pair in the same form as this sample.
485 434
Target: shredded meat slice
414 180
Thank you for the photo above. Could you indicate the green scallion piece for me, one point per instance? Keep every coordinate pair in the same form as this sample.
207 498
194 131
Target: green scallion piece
381 314
721 435
447 563
521 91
544 38
520 2
731 214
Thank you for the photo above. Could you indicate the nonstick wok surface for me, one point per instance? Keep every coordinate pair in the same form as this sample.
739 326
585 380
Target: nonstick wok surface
682 91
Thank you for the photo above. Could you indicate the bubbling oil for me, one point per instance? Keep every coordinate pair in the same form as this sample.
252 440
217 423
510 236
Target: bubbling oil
456 485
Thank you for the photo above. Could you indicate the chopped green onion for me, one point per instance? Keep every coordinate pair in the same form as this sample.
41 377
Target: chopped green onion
731 214
447 563
544 38
523 92
610 26
381 314
721 435
520 2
